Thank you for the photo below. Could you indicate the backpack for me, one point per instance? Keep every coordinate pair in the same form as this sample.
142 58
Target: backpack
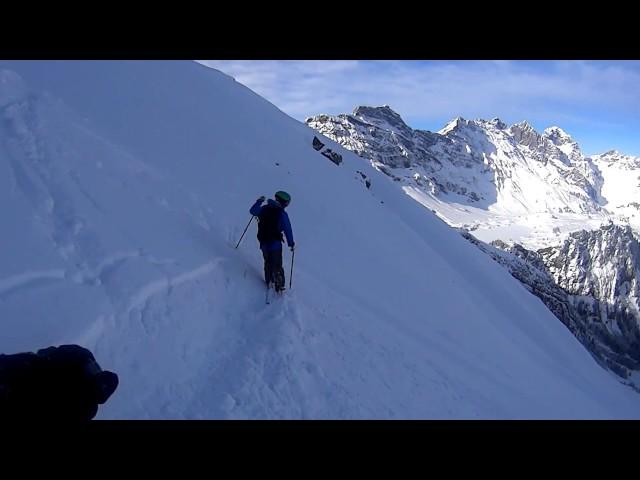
269 224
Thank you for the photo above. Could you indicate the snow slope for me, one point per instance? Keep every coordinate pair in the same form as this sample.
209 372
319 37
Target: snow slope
124 187
533 230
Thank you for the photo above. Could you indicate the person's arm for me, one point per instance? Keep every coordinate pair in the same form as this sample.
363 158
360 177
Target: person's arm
257 207
286 226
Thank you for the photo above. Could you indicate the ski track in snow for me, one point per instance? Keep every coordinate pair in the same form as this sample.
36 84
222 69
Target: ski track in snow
266 367
28 280
253 371
165 285
261 367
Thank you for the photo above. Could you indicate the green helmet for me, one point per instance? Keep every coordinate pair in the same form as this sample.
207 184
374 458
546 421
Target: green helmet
283 197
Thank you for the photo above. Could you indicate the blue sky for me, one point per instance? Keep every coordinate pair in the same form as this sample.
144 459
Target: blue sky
596 102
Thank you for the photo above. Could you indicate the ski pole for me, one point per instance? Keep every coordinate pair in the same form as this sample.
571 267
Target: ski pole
293 255
245 230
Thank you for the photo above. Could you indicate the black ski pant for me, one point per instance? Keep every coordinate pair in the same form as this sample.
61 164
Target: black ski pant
273 271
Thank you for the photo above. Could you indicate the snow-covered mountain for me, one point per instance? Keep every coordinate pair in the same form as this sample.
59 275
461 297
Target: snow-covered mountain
503 182
482 163
124 187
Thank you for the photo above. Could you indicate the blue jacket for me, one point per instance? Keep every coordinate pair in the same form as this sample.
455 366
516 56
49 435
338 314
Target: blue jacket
285 225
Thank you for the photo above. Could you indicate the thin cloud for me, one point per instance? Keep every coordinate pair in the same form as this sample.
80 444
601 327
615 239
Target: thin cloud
431 93
435 89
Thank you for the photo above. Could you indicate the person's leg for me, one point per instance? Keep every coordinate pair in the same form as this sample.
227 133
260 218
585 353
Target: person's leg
278 270
267 266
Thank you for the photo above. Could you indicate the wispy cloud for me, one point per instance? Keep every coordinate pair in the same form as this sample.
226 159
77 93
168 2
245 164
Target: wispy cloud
599 94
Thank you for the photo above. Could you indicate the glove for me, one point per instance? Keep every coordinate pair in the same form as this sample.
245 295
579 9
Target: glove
62 383
293 247
261 199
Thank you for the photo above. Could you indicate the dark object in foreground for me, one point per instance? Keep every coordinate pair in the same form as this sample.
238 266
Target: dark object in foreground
55 384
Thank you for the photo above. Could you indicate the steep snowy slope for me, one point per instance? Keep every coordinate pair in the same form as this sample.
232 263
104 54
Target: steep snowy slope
125 186
590 284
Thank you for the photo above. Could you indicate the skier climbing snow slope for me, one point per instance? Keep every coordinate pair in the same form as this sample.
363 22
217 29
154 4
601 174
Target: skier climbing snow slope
123 191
